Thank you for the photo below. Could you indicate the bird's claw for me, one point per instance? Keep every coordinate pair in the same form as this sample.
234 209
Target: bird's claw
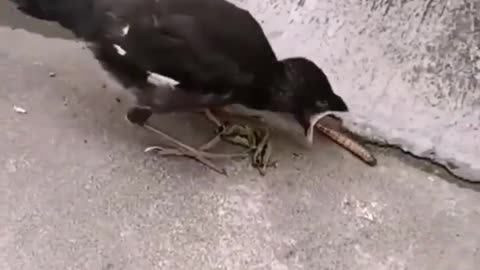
182 149
200 156
162 151
176 152
140 115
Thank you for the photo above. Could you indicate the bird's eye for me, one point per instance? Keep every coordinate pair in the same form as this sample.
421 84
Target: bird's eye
322 104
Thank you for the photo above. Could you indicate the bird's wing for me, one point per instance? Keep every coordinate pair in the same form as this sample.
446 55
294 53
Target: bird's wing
217 47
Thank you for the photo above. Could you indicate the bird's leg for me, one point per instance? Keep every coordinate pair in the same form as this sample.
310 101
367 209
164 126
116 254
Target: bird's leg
140 116
254 139
219 126
212 118
182 148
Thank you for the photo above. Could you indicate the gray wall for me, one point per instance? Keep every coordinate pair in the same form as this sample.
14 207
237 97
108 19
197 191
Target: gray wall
409 69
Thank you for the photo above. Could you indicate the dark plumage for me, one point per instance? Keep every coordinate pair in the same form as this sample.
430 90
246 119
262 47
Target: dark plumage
217 52
208 46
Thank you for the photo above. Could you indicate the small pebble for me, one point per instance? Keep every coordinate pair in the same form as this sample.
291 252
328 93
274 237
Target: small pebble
297 155
52 74
11 166
19 110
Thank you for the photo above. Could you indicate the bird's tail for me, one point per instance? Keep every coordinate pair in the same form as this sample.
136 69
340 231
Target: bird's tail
71 14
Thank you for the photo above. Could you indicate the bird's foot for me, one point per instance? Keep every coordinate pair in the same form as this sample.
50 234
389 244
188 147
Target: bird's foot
256 140
262 156
200 154
140 115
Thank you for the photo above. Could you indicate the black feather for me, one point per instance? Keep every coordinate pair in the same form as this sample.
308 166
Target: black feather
211 47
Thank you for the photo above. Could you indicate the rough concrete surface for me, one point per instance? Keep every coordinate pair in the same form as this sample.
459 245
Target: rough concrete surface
77 192
409 69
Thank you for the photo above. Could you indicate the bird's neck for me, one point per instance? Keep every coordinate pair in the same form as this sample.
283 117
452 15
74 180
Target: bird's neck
257 94
274 83
269 90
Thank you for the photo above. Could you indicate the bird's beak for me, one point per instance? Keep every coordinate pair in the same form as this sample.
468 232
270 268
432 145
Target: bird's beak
310 131
335 104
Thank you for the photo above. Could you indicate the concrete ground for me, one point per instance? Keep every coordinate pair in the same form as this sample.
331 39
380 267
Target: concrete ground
77 192
417 57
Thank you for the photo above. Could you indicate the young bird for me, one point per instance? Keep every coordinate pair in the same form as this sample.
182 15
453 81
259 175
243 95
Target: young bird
210 54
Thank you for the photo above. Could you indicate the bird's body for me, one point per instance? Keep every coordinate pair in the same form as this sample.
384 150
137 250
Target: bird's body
216 51
185 40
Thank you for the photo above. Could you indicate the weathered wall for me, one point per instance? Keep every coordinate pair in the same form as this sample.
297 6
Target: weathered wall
409 69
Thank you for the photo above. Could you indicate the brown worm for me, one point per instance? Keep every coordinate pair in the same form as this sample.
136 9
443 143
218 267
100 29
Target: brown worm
348 144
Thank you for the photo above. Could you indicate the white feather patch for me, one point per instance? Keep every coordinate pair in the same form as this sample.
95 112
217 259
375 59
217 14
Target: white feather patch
125 30
162 80
120 50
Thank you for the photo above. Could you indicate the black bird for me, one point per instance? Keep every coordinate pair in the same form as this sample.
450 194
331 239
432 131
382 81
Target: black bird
210 52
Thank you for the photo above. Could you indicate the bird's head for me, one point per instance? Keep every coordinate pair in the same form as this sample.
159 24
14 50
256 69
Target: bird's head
303 90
